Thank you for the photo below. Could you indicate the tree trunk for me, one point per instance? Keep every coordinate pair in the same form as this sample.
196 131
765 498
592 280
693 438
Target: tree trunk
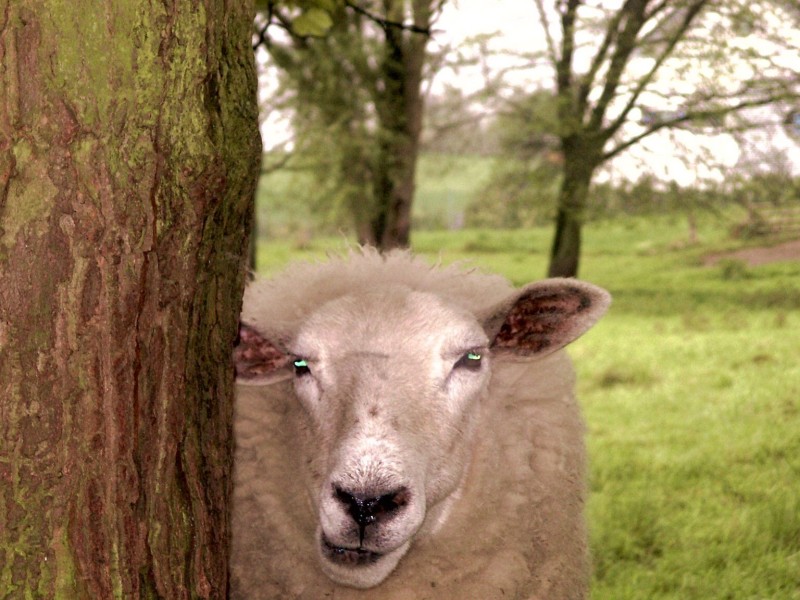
400 113
566 250
398 232
128 158
357 172
572 199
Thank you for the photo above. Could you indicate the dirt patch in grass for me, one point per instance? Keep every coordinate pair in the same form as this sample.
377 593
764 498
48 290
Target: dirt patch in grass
758 256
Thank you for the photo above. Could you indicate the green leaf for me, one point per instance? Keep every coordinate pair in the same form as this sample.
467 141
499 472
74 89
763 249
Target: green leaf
313 22
328 5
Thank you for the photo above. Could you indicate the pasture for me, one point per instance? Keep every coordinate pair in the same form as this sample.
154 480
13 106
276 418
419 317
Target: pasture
690 388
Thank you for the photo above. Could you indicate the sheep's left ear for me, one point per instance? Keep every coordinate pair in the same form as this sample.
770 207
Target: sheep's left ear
545 316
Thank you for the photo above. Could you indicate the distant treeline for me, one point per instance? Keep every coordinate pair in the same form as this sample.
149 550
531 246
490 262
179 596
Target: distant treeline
468 191
515 199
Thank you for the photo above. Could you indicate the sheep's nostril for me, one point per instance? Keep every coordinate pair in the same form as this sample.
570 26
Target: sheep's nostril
366 509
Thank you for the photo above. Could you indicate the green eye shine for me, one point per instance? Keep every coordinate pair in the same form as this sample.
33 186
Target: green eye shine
301 367
471 361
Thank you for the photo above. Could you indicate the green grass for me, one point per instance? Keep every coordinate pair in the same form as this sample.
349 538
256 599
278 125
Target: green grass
693 432
691 392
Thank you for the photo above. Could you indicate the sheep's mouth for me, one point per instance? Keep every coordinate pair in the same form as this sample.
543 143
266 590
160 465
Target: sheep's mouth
350 557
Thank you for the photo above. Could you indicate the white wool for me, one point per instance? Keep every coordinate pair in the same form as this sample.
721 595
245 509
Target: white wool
281 303
516 530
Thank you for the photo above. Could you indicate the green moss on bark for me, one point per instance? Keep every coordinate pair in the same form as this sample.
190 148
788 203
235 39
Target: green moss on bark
30 197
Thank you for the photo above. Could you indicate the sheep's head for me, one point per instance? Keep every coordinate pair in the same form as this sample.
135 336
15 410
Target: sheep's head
389 382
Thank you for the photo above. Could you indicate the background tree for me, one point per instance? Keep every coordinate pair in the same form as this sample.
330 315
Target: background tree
356 97
128 158
526 174
695 60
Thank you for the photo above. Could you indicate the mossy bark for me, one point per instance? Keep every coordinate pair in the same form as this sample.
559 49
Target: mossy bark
128 157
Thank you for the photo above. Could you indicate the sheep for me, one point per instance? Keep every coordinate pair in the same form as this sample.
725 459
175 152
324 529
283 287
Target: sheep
408 432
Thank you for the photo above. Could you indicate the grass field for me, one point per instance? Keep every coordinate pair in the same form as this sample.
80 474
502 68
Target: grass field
691 391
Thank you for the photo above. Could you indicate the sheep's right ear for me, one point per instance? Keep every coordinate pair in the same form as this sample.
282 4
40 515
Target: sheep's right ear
545 316
258 361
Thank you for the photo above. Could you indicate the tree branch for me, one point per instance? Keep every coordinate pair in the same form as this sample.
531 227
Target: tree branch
569 121
551 44
634 18
263 38
587 80
564 64
690 116
691 13
388 23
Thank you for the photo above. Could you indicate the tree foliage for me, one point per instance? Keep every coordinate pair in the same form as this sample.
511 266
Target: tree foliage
356 102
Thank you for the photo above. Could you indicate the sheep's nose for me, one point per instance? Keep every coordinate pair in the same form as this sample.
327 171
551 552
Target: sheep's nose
366 509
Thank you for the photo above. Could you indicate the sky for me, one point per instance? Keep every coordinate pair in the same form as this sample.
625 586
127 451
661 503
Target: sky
516 20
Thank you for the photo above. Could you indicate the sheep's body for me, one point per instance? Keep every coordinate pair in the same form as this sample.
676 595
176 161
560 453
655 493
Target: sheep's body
516 527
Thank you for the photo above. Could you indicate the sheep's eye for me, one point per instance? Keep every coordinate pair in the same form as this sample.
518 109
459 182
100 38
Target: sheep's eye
470 361
301 367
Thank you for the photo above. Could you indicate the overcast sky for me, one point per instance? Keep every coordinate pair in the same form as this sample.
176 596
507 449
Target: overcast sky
516 19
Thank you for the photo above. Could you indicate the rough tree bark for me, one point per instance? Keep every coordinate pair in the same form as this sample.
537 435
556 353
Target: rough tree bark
128 157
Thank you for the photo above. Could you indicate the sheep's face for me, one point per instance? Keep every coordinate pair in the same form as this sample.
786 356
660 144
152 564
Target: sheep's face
390 383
